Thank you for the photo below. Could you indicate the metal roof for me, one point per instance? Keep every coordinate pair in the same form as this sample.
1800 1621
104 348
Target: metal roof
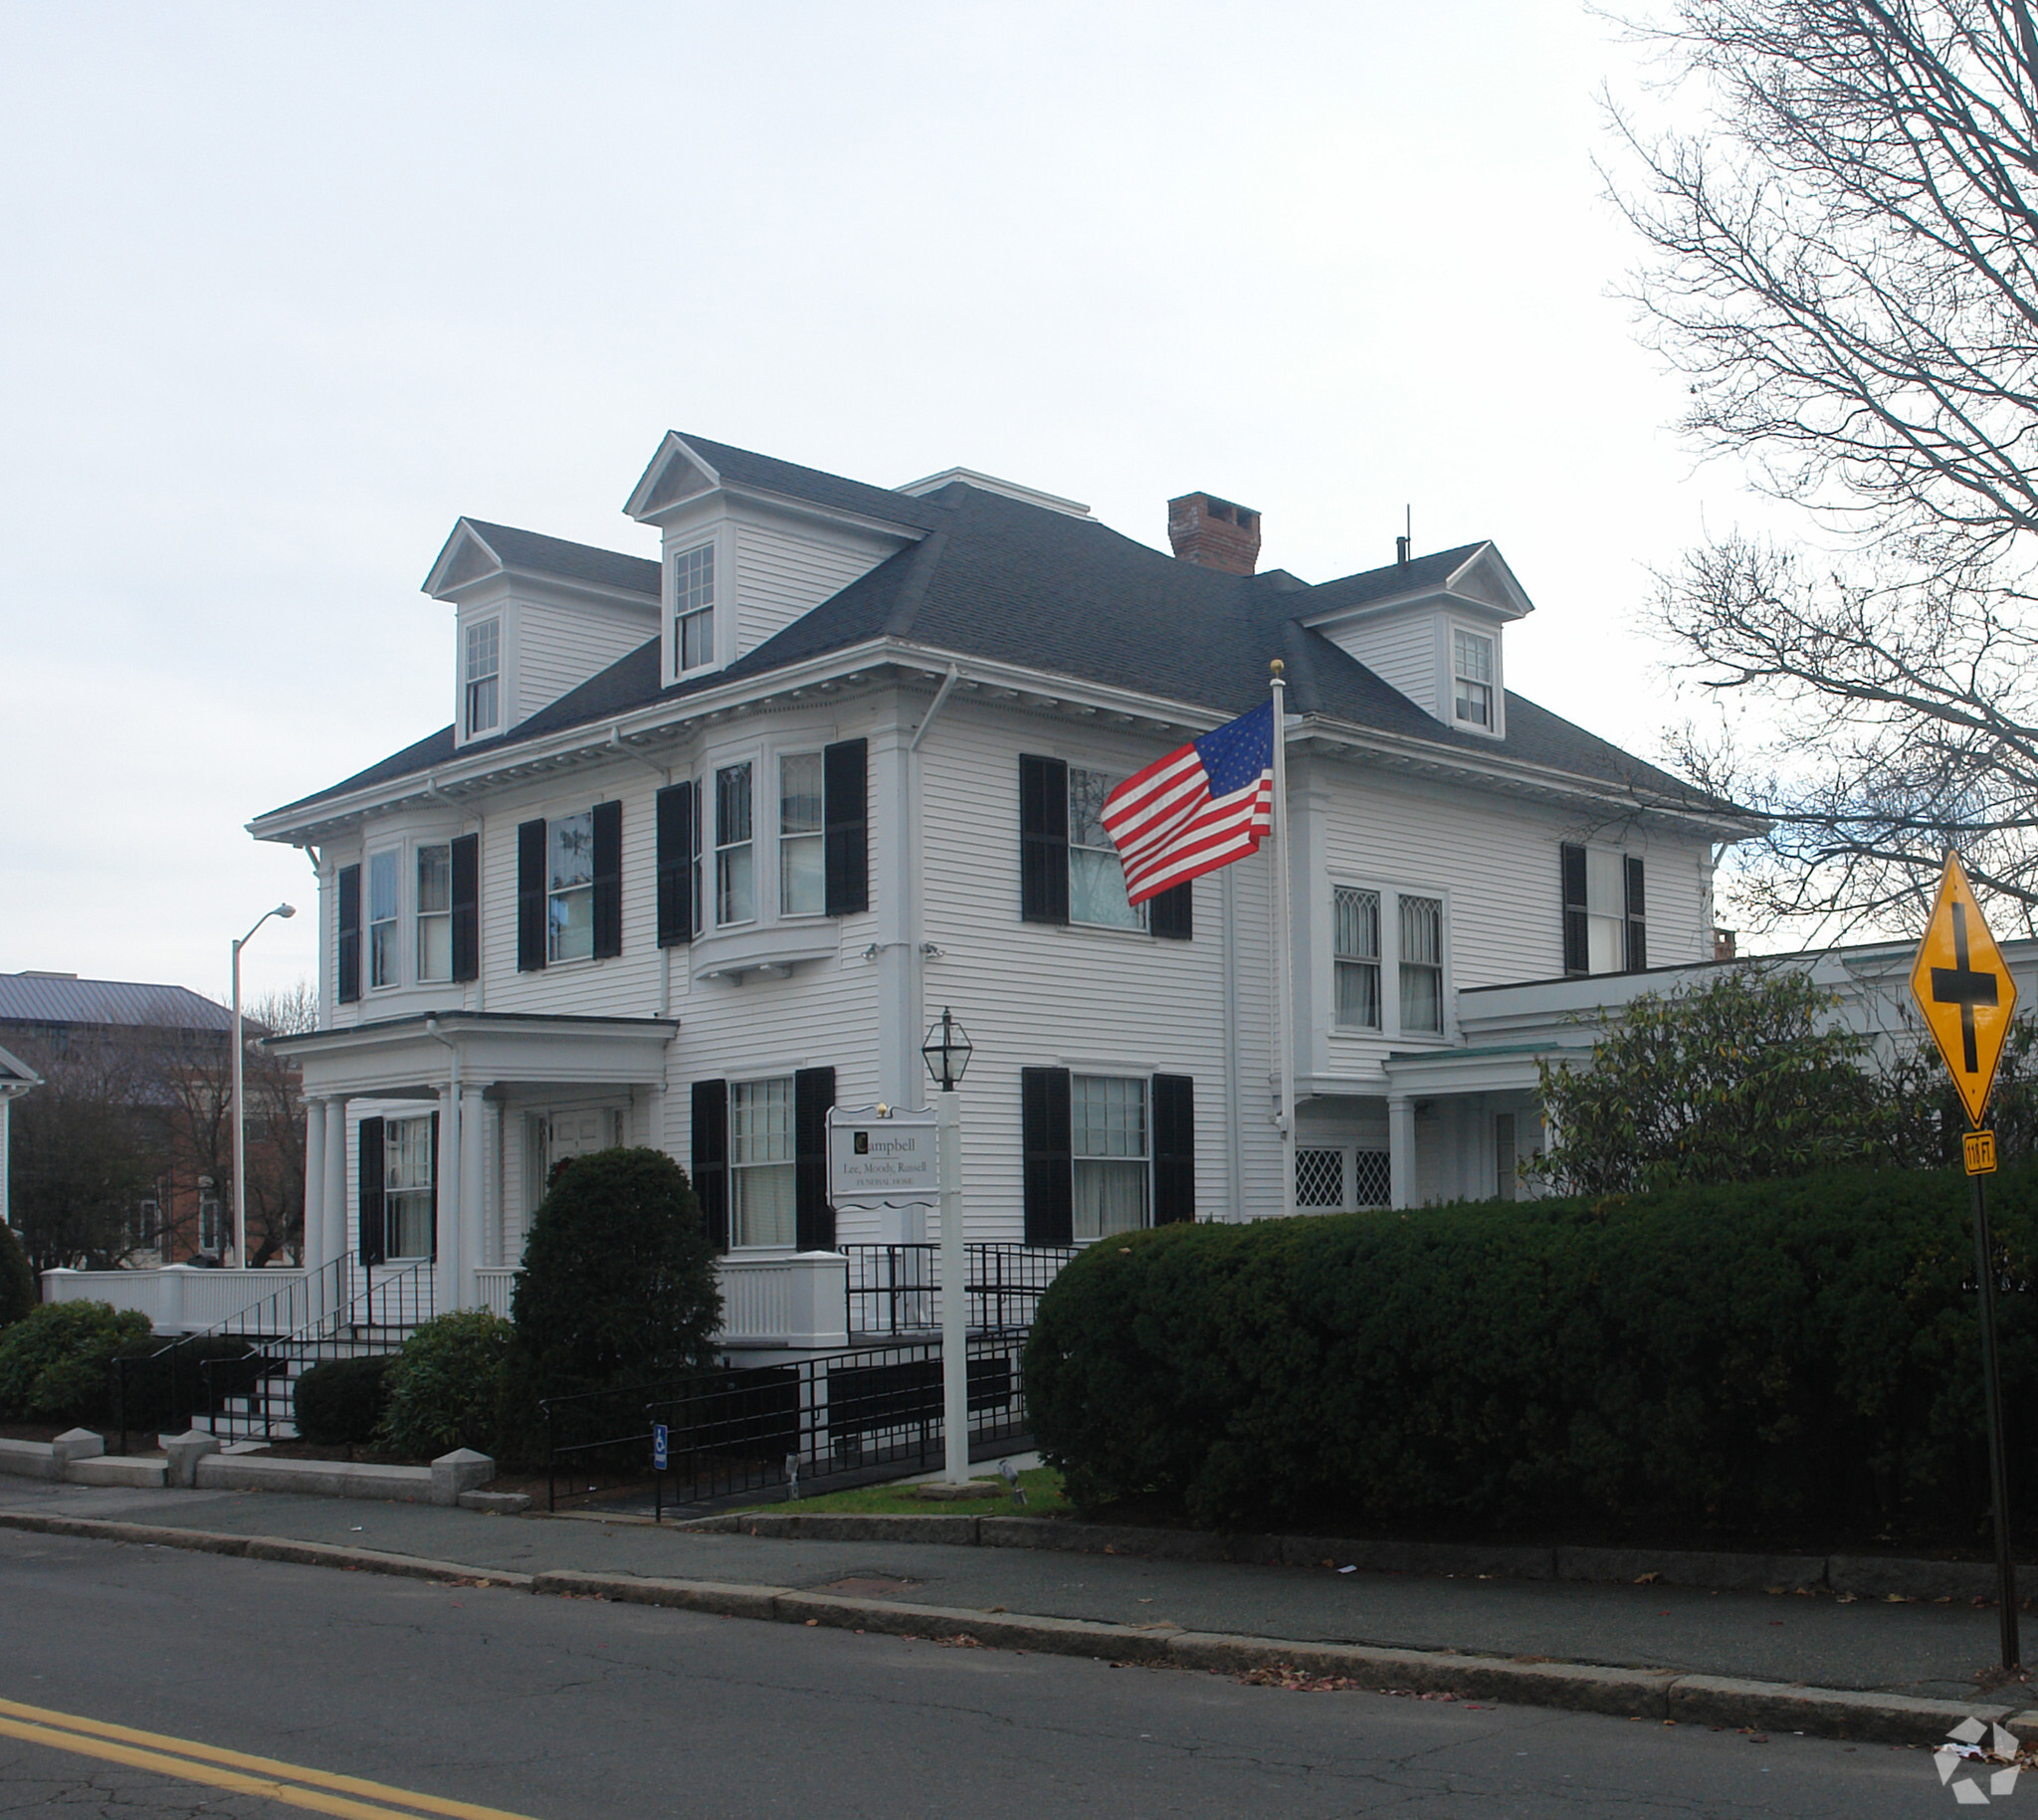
43 998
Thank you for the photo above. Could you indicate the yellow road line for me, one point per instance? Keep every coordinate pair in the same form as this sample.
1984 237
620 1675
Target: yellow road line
218 1767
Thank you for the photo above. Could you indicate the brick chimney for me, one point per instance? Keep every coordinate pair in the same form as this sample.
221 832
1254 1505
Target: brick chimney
1723 944
1214 532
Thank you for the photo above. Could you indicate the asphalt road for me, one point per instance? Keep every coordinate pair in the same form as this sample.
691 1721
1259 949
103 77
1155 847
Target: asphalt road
561 1708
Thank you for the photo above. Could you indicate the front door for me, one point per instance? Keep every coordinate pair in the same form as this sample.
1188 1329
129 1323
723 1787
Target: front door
556 1136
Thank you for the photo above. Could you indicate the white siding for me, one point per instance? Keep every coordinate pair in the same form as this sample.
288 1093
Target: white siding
560 645
782 573
1403 650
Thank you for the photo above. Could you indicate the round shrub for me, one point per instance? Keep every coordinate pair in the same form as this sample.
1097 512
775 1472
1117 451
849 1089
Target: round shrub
18 1291
445 1388
342 1402
56 1362
1800 1354
618 1280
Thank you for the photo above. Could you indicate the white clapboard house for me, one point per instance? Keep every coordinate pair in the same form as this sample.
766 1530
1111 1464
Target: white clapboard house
715 835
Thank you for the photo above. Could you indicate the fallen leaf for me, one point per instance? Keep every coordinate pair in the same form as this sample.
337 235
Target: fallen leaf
1647 1580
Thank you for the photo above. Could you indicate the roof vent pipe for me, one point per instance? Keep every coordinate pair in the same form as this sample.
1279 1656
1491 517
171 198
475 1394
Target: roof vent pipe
1401 551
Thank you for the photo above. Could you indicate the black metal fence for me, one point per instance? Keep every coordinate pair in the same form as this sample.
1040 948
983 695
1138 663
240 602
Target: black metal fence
815 1419
896 1289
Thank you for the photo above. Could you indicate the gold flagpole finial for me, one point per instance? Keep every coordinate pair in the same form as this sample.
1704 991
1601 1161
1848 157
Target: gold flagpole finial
1277 666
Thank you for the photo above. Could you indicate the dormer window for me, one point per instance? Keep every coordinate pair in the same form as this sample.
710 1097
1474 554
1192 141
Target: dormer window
484 676
693 609
1471 676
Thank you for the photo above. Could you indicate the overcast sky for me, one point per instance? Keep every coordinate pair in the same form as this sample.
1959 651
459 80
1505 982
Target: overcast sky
289 289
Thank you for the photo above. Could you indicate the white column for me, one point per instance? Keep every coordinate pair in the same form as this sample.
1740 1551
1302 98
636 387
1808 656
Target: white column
334 1197
446 1273
471 1123
313 1246
495 1202
1401 1149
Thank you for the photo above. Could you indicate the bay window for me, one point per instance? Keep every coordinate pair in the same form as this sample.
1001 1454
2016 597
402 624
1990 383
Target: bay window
435 912
736 885
384 961
802 876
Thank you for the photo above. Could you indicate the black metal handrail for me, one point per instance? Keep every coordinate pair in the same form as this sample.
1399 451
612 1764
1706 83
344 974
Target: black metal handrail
896 1289
877 1408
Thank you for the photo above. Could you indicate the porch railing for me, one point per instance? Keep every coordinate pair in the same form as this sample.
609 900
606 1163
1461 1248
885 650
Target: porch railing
896 1289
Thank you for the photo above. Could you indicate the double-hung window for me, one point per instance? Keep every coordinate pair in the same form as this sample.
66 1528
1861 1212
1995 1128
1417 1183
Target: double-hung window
1605 928
1471 676
1109 1152
384 876
435 912
569 888
763 1176
802 873
1422 964
484 676
1356 939
408 1186
1097 876
693 609
736 881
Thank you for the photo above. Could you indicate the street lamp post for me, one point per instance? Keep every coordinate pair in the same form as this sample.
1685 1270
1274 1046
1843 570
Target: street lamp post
240 1114
947 1051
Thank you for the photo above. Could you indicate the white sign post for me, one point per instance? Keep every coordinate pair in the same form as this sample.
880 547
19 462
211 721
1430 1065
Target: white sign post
954 1294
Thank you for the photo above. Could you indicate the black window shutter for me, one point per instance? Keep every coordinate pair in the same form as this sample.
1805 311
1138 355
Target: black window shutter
846 828
1172 912
1174 1148
374 1245
348 986
1043 840
1045 1143
1577 942
435 1184
608 880
531 896
674 806
813 1092
710 1157
1638 927
467 906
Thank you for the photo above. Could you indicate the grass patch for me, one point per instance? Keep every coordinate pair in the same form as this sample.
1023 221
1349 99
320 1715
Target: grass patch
1042 1486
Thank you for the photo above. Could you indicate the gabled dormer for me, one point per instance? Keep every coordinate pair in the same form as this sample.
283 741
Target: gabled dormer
1430 626
752 543
534 617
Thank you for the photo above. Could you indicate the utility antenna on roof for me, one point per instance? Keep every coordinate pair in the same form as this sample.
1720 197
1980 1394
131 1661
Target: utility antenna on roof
1404 545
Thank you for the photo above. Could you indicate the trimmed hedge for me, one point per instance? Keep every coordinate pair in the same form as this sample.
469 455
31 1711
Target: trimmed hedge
445 1387
1758 1354
342 1401
56 1362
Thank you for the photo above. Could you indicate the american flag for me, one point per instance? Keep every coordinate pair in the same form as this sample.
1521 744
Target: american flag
1199 808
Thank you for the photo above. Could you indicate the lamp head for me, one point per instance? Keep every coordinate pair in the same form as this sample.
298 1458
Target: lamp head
286 909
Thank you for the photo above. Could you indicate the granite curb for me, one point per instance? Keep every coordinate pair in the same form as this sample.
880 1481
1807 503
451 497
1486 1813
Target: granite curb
1865 1576
1647 1694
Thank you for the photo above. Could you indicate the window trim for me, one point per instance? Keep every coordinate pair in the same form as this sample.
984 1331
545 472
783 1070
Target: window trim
815 836
470 681
1391 1026
676 619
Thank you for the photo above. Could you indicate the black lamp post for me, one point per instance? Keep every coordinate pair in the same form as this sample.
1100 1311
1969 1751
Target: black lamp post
947 1051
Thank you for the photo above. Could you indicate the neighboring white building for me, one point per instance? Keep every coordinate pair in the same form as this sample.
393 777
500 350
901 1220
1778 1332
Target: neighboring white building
712 838
16 1079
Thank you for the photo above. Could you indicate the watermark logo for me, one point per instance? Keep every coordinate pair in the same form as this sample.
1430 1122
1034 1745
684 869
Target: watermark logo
1963 1750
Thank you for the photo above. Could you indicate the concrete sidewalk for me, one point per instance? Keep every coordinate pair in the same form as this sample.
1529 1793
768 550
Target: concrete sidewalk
1896 1672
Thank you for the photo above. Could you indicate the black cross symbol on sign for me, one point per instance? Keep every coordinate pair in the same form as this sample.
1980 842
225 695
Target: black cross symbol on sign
1961 985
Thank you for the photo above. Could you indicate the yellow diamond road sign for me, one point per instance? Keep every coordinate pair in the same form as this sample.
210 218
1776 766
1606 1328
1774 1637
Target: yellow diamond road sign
1963 988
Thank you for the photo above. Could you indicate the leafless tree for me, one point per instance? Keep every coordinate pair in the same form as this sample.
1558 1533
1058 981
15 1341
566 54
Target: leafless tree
276 1123
1843 260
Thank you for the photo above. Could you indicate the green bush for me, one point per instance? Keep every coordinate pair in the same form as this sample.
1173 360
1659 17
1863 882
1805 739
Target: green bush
1777 1353
18 1291
56 1362
618 1280
342 1402
445 1388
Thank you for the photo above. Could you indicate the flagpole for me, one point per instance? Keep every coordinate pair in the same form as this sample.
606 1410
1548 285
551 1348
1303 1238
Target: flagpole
1284 960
